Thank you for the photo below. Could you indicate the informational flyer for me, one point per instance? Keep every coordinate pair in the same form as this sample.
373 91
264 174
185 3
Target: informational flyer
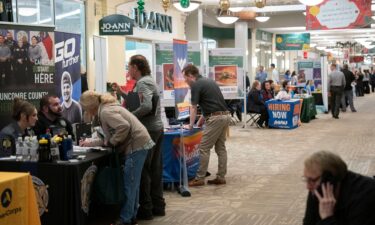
164 65
226 68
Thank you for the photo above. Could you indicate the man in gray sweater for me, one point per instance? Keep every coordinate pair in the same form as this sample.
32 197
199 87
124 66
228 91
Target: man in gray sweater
151 198
336 85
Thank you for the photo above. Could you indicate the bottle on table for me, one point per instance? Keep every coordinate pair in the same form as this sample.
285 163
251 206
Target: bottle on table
19 149
26 149
55 153
34 149
44 151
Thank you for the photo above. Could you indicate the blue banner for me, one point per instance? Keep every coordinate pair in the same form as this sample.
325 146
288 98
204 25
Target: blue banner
283 114
172 153
180 57
68 74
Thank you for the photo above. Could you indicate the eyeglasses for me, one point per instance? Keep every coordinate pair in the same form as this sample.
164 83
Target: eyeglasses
310 180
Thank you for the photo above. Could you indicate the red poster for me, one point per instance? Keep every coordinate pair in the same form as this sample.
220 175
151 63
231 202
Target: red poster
339 14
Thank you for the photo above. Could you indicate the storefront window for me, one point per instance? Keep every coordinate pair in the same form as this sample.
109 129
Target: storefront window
35 11
264 54
135 47
207 44
280 61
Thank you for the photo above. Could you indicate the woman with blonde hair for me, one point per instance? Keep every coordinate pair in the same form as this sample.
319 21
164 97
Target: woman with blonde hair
129 137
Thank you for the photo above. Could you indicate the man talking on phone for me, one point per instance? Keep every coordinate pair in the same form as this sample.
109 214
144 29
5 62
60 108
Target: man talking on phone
337 196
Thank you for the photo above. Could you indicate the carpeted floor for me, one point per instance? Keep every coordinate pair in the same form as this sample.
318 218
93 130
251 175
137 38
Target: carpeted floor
264 184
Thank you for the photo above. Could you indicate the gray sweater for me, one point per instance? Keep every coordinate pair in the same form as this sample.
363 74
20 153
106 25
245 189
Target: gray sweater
336 78
146 113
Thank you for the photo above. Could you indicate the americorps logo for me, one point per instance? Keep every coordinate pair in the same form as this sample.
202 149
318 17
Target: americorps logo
6 197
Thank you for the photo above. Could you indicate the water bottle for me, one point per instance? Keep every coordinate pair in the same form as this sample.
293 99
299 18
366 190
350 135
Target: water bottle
66 148
26 149
34 149
19 149
55 148
44 151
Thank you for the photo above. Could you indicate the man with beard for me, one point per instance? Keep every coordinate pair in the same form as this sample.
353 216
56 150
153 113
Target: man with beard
50 117
71 109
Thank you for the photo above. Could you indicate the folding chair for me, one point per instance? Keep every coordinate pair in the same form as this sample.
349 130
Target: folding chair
254 117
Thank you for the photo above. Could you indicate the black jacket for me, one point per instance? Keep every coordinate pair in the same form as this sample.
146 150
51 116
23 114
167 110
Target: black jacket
349 78
255 102
56 127
354 206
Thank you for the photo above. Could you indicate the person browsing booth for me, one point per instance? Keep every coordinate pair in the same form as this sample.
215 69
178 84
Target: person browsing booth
207 94
337 196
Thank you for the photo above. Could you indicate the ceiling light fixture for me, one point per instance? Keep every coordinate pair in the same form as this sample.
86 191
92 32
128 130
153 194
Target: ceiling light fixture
311 2
262 19
193 6
226 17
260 3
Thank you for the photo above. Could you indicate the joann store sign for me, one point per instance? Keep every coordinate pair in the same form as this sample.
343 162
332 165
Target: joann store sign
122 25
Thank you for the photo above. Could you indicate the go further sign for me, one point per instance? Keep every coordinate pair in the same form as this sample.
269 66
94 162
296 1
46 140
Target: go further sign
116 25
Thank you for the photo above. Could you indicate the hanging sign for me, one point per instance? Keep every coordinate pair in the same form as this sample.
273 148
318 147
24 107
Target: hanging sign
339 14
116 25
292 42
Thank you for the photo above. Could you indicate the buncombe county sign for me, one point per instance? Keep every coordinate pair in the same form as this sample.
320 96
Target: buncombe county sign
152 21
116 25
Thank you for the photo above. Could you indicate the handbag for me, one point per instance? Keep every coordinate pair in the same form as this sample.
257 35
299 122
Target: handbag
109 182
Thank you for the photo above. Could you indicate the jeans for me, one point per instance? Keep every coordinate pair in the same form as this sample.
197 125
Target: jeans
132 177
349 95
151 189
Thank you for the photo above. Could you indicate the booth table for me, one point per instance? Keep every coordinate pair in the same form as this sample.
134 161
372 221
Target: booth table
283 114
308 111
17 203
62 189
172 153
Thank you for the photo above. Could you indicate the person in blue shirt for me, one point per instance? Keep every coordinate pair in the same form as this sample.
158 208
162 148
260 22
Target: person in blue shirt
287 75
261 75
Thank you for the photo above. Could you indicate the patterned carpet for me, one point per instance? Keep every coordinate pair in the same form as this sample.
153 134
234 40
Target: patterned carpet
264 184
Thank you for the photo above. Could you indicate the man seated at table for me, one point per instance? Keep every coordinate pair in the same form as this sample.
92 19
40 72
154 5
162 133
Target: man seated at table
256 104
283 93
50 117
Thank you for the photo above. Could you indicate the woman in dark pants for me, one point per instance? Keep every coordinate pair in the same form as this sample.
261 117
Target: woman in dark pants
256 104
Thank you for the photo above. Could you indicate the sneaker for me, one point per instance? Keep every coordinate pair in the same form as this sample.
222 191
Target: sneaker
196 182
354 110
158 212
217 181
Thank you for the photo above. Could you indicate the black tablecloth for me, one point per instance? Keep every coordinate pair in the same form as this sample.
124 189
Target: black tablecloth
63 189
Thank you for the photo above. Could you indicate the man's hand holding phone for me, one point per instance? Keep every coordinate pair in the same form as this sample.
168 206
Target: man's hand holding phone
327 200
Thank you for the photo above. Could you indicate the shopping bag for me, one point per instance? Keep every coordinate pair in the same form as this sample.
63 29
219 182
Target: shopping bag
109 182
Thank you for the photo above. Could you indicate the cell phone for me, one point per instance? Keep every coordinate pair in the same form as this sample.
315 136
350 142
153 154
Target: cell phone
327 177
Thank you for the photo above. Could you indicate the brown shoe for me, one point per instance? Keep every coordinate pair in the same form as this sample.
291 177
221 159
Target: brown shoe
196 182
217 181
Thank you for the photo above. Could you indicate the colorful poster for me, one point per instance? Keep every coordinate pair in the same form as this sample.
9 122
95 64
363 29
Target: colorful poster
68 74
310 71
339 14
283 114
181 87
292 42
172 153
27 67
164 66
226 68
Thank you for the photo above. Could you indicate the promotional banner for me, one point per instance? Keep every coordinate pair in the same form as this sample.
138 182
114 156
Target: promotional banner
310 71
283 114
68 74
291 42
226 68
339 14
182 99
27 67
164 65
172 153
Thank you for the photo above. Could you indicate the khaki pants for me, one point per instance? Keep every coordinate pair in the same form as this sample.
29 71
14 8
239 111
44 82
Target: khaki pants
214 135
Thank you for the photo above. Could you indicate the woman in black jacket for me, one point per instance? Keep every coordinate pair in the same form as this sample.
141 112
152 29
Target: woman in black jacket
256 104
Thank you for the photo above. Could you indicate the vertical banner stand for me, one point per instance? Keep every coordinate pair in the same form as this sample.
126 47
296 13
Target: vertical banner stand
183 188
324 68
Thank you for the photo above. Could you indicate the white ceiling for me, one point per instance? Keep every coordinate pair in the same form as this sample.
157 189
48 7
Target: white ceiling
289 19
